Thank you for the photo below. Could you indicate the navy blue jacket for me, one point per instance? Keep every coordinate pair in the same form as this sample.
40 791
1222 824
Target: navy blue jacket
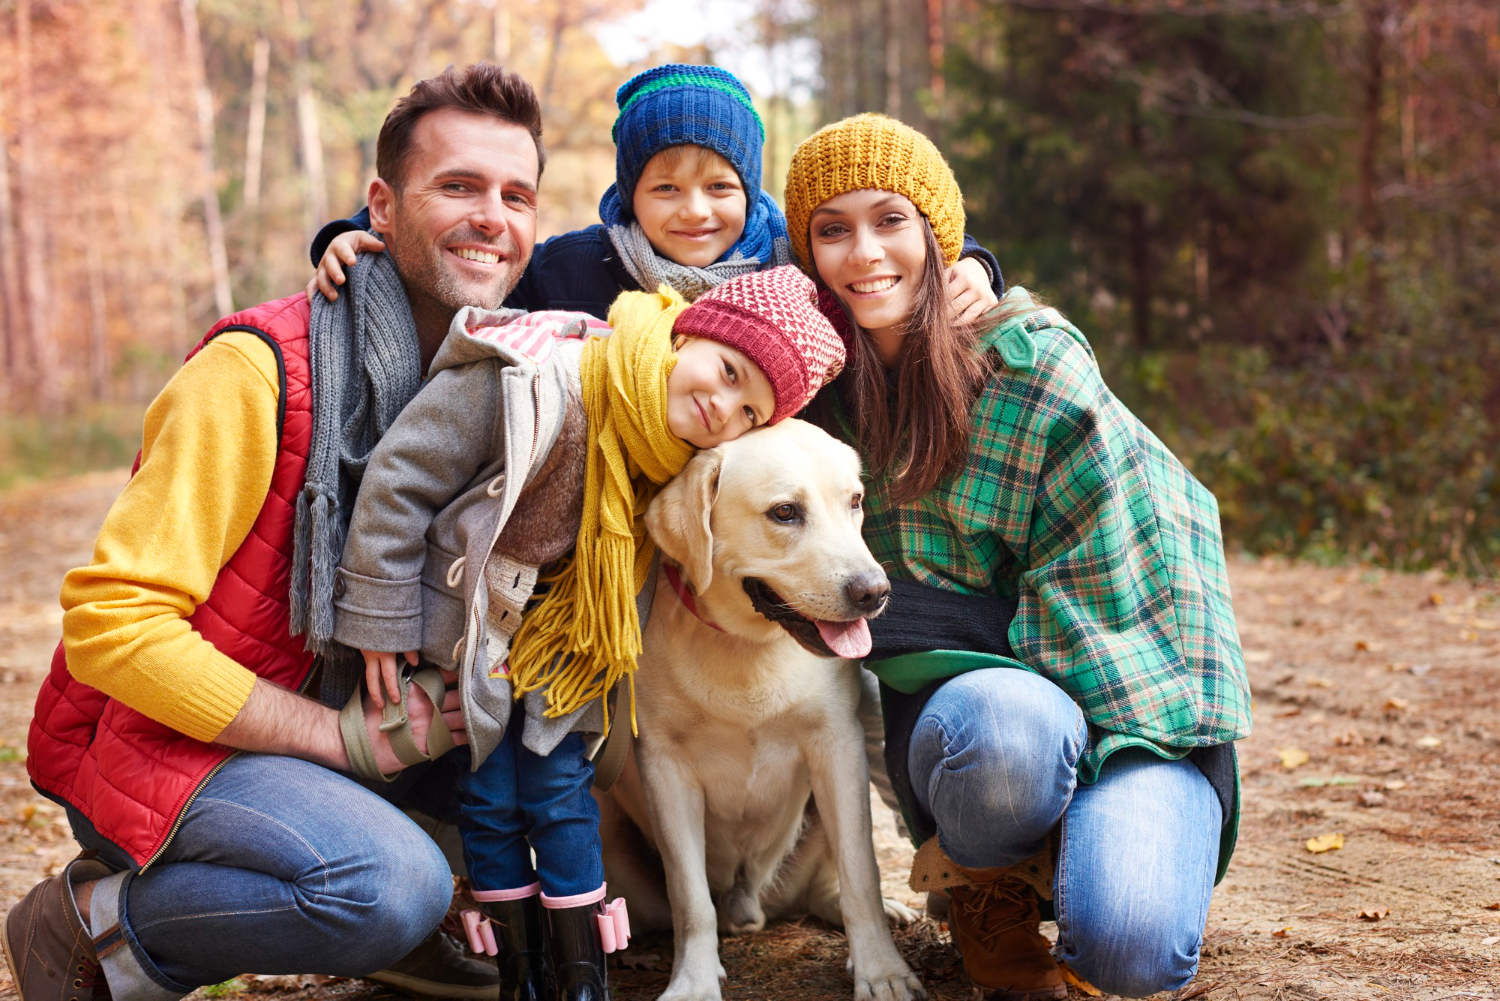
580 270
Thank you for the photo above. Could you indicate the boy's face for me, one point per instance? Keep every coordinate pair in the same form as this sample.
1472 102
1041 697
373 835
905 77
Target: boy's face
715 393
691 205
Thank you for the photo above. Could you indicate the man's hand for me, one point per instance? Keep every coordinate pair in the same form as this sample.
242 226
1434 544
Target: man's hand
381 667
419 710
274 720
341 253
969 291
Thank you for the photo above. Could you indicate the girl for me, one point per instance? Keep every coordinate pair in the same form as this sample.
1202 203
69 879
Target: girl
531 453
1005 472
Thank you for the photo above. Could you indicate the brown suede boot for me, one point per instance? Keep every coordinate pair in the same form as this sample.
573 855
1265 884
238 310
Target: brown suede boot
49 950
997 930
995 923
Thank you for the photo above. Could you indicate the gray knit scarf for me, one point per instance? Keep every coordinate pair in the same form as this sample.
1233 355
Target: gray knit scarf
651 269
366 366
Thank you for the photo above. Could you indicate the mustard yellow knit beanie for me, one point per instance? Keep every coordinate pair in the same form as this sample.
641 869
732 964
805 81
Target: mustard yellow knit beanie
873 151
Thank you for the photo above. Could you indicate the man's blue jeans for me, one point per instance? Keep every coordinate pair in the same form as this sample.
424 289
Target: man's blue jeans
994 760
278 866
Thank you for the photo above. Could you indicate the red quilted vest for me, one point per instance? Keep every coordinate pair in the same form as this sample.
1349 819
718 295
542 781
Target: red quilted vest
131 776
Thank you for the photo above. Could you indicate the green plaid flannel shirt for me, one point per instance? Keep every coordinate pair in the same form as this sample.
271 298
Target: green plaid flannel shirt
1070 504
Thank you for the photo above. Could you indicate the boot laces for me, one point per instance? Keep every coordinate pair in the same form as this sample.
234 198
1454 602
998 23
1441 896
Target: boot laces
88 981
993 908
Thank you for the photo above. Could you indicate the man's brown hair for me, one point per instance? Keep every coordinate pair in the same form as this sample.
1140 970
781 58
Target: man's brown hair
482 88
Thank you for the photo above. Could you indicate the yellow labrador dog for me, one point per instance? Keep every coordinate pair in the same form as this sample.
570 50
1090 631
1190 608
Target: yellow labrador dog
748 703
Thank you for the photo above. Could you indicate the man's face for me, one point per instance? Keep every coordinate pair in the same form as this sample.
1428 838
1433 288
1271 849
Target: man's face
462 228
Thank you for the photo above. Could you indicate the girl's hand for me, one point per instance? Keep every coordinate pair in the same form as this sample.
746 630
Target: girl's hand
342 252
381 667
969 291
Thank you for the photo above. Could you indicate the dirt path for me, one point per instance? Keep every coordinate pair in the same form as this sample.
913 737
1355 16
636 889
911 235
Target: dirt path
1389 684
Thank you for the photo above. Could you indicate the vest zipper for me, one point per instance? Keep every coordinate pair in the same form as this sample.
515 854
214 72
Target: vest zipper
182 813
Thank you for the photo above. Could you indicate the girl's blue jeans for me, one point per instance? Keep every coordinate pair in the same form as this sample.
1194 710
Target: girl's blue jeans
278 866
518 801
994 759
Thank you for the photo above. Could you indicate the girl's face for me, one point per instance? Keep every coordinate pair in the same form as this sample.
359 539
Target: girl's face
715 393
869 247
691 205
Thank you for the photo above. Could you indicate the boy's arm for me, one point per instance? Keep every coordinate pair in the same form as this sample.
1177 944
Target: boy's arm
207 456
971 248
436 447
359 221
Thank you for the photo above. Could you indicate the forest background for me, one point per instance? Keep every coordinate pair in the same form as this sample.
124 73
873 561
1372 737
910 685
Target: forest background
1275 219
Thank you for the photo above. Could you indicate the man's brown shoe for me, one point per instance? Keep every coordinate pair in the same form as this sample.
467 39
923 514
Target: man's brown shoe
49 950
998 932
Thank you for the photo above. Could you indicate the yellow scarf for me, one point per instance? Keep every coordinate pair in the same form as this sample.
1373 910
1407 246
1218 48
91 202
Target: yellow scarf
584 634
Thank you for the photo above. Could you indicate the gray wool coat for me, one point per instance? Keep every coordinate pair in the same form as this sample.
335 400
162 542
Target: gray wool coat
476 486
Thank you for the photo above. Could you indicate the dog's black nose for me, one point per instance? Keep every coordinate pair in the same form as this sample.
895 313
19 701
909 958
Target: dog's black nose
868 591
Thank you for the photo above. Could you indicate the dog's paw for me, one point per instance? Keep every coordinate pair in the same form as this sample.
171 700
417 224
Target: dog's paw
740 912
898 912
693 988
899 984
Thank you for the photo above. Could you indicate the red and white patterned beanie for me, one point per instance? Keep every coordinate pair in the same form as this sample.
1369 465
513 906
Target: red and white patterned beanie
773 317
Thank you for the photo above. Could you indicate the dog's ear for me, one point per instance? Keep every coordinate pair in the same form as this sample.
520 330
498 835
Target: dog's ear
679 518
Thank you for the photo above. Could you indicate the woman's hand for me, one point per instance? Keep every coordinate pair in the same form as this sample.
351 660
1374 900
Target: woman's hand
969 291
381 667
342 251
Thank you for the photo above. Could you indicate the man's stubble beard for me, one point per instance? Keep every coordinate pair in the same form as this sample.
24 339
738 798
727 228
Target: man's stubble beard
420 265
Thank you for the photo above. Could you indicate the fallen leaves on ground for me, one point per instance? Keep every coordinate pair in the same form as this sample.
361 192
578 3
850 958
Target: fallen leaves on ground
1079 982
1325 843
1293 757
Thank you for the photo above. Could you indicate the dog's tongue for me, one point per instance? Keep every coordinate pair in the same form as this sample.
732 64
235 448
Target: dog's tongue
850 640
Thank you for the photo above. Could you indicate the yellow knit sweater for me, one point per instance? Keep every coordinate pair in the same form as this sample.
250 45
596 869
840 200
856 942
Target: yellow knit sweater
208 451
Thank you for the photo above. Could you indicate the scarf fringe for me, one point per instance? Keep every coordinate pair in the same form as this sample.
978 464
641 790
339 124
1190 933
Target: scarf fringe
584 635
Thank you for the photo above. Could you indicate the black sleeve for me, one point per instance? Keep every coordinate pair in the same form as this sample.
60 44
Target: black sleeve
360 220
528 293
921 617
972 248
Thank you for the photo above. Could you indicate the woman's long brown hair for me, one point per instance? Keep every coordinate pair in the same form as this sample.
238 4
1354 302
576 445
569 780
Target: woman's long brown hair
911 422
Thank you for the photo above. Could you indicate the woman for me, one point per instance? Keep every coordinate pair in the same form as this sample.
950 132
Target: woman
1004 474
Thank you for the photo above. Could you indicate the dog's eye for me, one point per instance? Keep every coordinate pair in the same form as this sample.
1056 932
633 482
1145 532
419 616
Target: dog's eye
854 504
787 514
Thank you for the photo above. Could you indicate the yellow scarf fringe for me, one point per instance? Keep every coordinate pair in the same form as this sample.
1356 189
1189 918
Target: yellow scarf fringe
584 635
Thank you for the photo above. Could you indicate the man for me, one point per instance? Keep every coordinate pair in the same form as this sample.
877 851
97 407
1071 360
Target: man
173 726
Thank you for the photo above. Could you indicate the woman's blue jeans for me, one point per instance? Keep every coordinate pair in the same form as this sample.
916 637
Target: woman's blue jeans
994 761
278 866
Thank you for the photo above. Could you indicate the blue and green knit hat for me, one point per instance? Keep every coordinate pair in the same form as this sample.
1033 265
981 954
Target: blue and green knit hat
676 104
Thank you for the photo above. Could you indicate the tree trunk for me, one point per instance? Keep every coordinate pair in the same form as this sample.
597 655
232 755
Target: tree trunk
936 80
554 53
42 350
255 137
891 11
1375 14
314 180
11 297
213 220
98 323
501 33
1140 248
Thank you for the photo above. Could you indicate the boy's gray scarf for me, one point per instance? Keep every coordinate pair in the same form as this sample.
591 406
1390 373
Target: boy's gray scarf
651 269
366 366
